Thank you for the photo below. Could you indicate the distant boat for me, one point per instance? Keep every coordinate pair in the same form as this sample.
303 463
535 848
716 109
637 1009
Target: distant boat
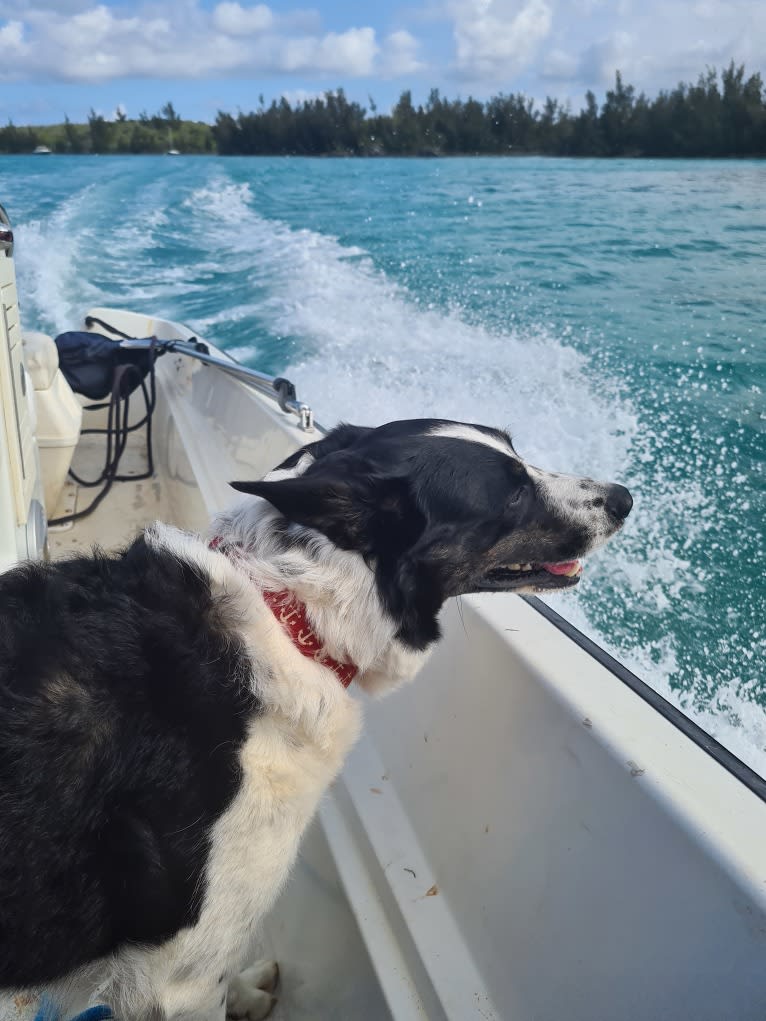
172 152
41 150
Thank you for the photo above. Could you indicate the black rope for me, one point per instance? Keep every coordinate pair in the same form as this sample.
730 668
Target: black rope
117 430
90 320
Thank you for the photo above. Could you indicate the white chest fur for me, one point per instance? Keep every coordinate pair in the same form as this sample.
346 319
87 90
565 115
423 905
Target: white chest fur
285 770
284 774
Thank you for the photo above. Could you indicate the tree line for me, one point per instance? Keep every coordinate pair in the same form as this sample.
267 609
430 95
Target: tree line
145 134
719 115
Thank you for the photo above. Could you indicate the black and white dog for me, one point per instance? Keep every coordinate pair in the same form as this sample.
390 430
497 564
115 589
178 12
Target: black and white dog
170 715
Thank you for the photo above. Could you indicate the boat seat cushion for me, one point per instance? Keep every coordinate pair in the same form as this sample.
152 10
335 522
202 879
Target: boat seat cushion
41 357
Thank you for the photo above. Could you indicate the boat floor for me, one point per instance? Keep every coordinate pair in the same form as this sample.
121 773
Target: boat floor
127 508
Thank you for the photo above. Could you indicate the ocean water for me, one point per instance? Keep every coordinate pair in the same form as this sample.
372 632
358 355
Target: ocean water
610 314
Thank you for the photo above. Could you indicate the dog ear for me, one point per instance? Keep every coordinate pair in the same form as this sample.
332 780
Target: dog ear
315 502
372 515
341 437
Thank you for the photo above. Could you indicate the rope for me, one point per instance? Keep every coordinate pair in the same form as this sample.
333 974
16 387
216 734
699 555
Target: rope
90 320
117 432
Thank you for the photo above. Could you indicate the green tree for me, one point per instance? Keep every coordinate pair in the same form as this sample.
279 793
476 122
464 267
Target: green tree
616 118
73 137
100 132
405 134
169 114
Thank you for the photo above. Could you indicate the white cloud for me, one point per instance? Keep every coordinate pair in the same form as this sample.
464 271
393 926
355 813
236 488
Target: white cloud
563 46
599 61
495 39
296 97
654 44
559 64
568 46
182 39
400 55
12 38
352 52
234 19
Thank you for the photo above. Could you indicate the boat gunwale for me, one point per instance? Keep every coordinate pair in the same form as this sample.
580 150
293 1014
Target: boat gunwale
719 752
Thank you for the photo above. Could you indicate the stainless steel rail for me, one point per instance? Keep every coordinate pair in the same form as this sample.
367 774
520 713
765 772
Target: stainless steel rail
277 388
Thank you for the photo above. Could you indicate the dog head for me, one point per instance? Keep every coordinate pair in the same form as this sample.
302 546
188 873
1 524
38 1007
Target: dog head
440 509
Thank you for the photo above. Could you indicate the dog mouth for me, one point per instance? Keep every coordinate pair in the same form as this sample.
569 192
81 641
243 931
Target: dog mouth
535 577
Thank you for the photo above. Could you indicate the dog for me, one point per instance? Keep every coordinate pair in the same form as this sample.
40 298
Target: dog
171 715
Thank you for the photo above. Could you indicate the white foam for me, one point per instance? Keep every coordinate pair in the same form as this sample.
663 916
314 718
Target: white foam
81 255
48 254
374 352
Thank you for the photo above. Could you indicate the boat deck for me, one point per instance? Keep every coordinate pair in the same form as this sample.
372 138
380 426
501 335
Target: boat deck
127 508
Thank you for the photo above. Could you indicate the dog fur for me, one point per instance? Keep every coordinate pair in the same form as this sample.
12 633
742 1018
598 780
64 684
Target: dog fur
164 744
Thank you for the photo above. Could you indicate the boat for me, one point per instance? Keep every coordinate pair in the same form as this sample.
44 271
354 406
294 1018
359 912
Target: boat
527 832
172 152
41 150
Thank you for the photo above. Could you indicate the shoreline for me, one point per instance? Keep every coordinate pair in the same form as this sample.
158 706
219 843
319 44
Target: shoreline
638 157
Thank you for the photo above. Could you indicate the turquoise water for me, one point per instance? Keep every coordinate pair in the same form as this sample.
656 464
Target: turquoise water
611 314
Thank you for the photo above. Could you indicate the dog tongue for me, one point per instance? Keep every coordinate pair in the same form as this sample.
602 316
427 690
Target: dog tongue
568 568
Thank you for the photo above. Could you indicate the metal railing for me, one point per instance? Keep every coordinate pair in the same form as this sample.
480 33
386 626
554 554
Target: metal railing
277 388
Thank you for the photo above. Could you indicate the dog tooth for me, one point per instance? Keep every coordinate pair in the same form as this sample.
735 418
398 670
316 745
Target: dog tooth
514 567
526 567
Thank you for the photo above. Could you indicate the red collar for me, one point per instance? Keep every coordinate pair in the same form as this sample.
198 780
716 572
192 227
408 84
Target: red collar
291 614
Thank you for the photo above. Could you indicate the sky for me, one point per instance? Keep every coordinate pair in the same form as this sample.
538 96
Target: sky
62 57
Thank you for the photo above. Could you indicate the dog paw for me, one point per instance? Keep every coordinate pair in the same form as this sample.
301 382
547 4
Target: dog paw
250 993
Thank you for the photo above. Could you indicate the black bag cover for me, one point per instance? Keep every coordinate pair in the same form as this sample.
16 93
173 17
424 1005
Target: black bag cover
89 361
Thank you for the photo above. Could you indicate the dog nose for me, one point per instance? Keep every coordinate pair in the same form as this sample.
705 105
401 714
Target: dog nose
618 502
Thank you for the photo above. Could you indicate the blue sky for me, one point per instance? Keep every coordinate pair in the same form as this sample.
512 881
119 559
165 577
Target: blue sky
62 57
